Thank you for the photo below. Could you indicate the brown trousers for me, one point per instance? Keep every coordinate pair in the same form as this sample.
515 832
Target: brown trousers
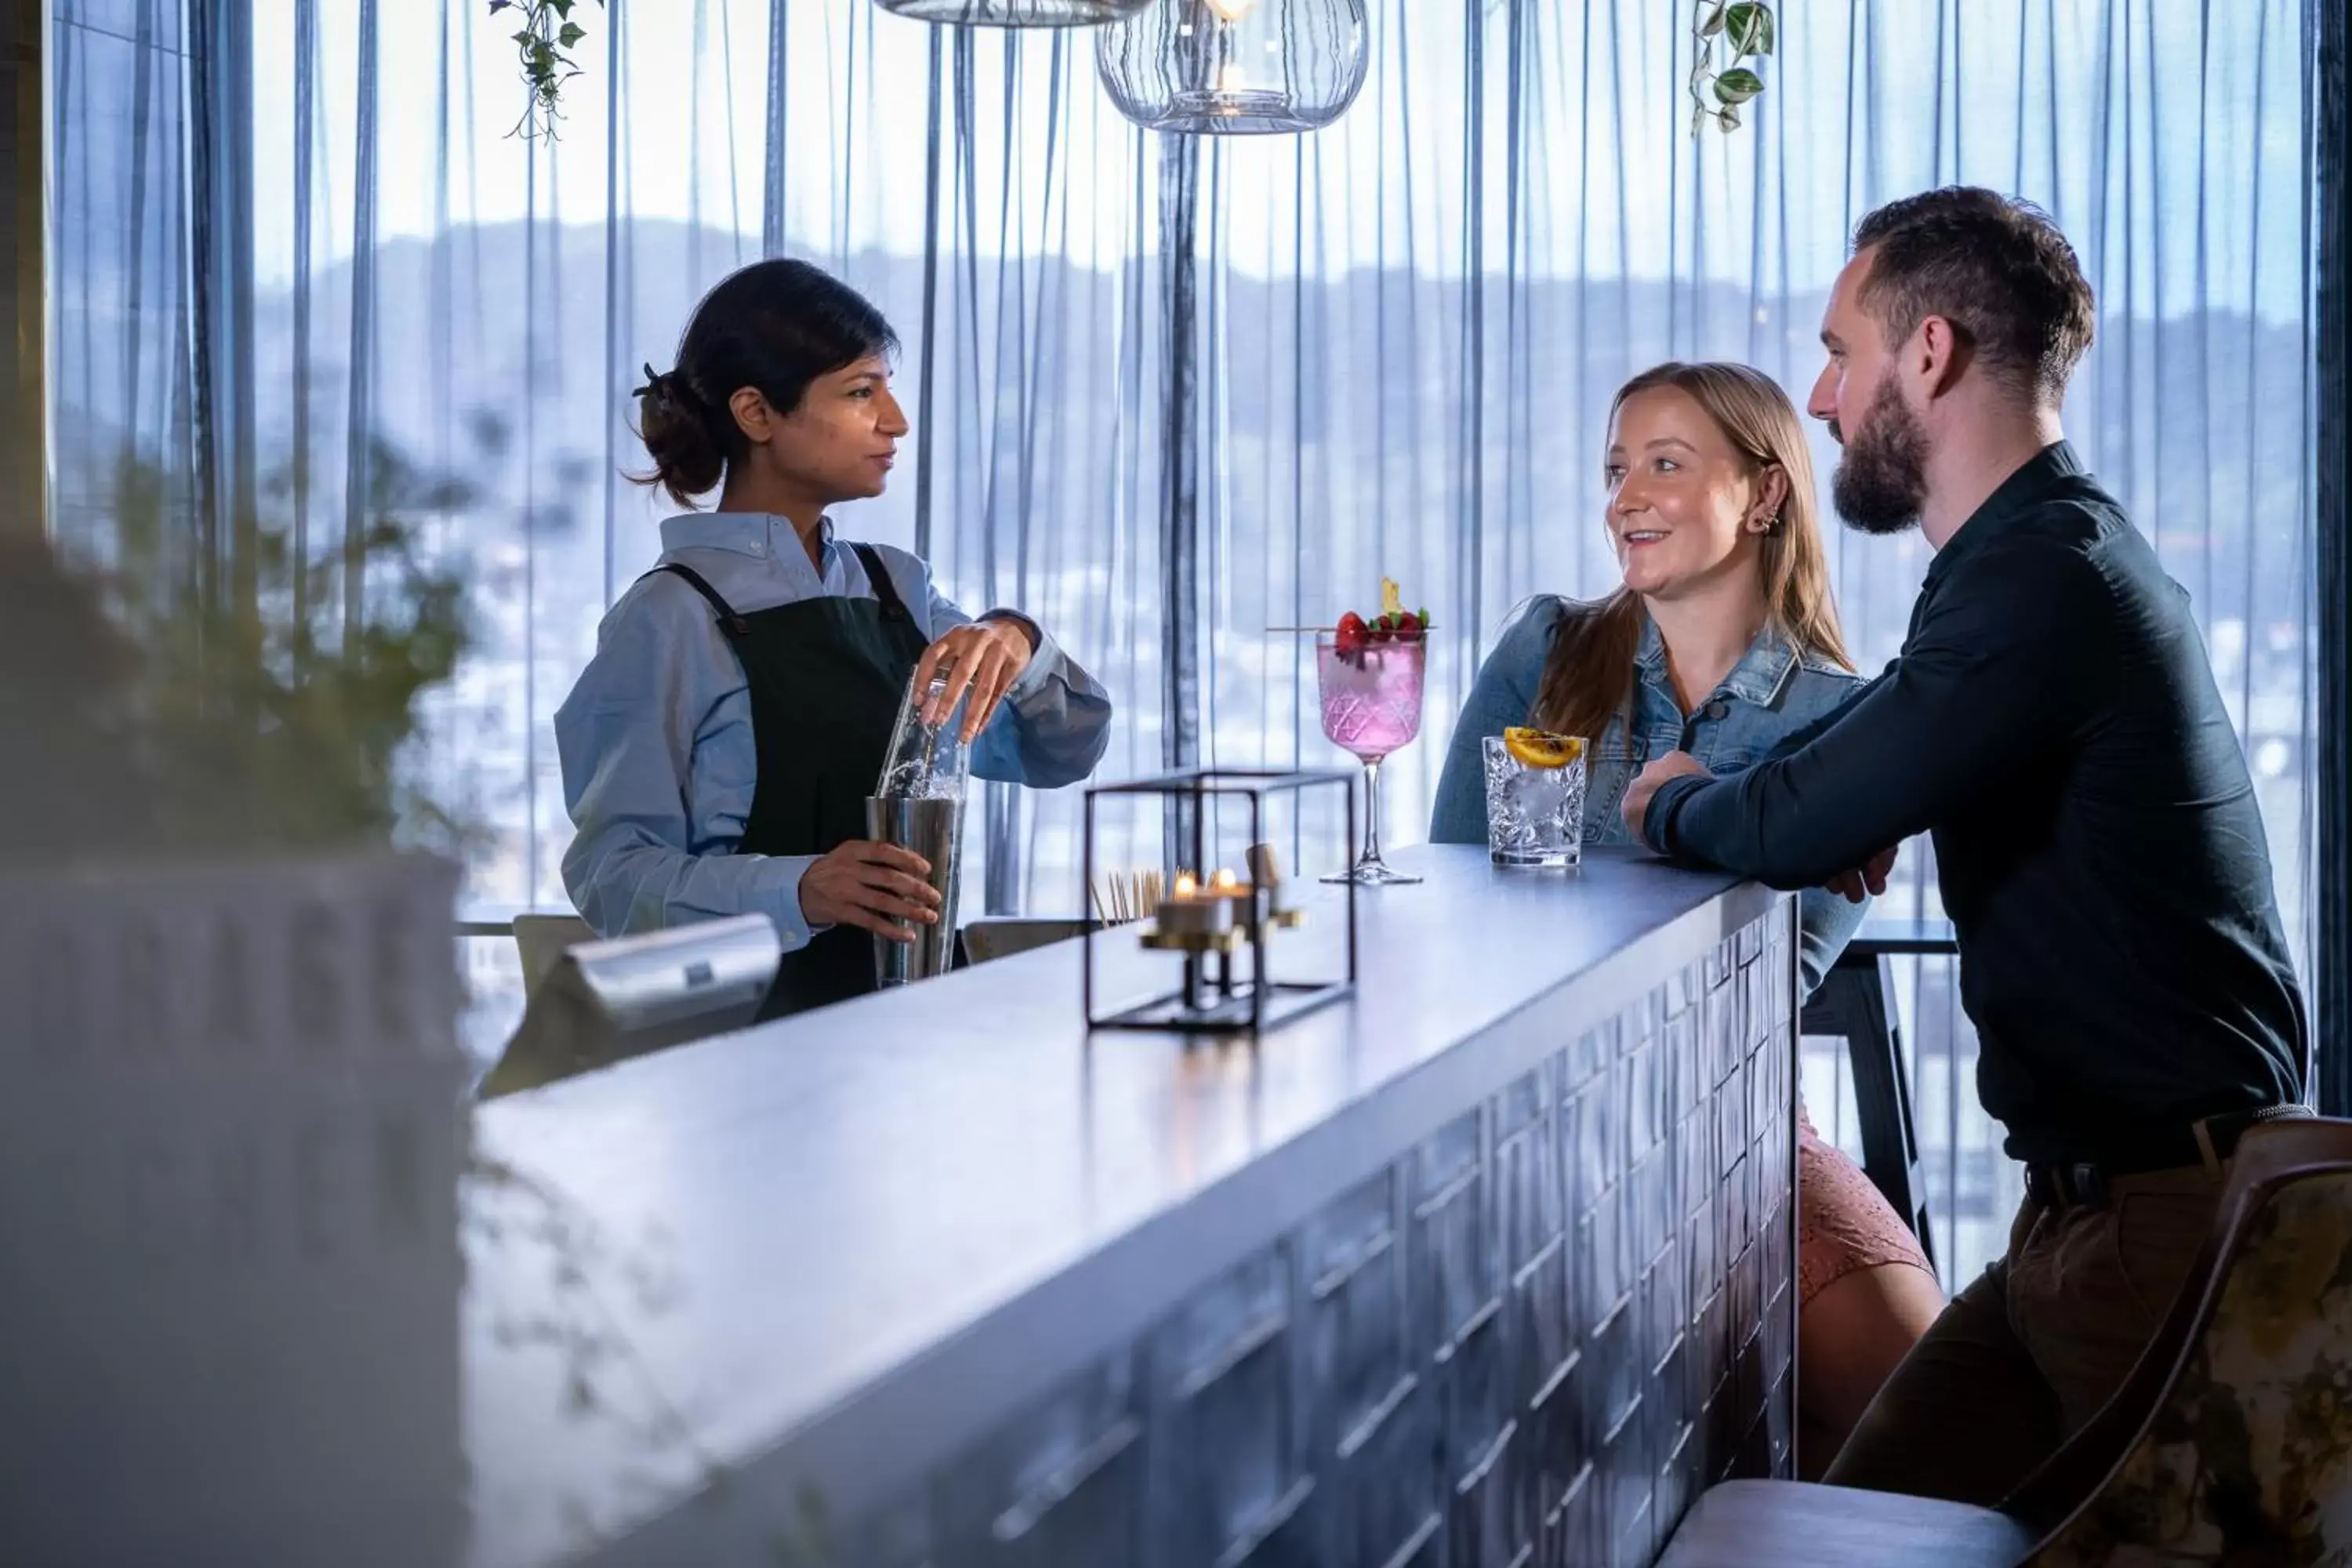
2025 1355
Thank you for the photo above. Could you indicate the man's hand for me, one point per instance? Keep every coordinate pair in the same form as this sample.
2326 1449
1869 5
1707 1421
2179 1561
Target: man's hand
1673 765
986 656
1865 882
878 886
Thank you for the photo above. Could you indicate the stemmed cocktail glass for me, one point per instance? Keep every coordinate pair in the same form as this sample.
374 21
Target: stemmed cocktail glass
1371 705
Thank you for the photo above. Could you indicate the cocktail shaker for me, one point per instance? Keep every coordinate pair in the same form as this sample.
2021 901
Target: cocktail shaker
933 830
917 804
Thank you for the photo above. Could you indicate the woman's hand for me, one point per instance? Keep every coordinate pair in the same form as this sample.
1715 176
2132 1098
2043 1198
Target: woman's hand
876 885
986 657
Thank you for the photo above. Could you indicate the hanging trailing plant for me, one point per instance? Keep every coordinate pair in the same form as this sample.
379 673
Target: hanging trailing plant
1744 31
544 42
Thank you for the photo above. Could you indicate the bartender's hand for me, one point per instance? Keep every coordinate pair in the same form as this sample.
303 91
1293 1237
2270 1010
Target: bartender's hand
1864 881
869 884
1636 808
987 657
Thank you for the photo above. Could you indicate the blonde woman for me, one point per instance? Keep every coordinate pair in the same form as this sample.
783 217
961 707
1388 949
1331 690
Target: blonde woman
1721 640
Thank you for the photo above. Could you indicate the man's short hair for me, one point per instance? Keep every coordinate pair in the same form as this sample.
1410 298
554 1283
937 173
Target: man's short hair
1993 265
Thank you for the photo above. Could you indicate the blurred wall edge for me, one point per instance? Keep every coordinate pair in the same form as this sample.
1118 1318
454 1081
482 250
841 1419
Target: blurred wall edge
230 1137
24 246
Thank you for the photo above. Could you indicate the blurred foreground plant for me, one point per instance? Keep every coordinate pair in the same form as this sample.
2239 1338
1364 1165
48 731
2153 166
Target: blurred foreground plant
172 708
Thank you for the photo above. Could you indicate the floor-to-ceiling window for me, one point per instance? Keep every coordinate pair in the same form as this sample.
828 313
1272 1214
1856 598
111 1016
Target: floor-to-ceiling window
301 260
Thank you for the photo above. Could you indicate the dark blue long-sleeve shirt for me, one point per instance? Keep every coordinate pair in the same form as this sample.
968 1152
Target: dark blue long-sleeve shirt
2054 723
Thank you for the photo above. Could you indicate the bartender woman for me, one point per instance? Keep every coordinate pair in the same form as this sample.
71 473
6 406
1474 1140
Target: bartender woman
719 750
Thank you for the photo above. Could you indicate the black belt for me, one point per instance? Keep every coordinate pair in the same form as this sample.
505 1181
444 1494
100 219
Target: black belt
2084 1183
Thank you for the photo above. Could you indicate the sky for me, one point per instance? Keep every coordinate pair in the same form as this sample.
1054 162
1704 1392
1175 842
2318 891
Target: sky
2166 135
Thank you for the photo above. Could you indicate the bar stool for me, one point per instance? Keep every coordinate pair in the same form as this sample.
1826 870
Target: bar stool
1855 1002
2206 1453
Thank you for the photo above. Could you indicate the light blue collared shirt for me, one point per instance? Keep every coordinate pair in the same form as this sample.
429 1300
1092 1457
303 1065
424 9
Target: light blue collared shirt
659 766
1772 691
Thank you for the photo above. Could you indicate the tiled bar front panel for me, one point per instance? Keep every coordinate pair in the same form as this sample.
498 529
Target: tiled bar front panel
1529 1340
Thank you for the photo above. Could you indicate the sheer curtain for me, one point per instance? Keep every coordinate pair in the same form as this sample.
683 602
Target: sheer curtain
1420 314
486 301
1167 396
304 261
121 280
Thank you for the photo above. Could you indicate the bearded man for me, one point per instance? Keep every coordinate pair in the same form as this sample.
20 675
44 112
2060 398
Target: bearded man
2055 724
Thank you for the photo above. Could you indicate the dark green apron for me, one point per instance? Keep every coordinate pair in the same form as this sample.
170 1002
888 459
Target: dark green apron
826 676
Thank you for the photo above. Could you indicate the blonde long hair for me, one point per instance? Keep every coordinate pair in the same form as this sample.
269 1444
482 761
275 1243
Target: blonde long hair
1589 676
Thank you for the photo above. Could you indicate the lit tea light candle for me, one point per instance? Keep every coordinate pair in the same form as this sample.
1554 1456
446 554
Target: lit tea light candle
1190 911
1252 902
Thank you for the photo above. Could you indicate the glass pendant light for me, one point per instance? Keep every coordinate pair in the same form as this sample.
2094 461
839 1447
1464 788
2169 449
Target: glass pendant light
1234 68
1016 12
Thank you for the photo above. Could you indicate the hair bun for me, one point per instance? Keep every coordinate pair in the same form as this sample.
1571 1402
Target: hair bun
674 425
669 386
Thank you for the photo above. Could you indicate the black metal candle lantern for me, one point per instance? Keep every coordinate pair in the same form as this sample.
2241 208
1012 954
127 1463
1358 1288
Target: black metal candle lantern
1208 925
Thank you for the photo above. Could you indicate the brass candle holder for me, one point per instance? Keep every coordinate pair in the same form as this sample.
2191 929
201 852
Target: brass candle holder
1210 920
1255 910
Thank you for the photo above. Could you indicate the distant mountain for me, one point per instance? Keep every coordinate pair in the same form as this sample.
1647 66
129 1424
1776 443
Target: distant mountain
497 354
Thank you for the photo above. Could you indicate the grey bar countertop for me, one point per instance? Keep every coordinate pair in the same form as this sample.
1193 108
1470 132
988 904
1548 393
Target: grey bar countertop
699 1256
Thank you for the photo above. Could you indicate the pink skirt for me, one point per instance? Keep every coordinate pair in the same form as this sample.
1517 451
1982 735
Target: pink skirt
1844 1221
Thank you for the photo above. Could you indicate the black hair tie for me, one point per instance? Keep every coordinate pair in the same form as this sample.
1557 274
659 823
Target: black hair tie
656 386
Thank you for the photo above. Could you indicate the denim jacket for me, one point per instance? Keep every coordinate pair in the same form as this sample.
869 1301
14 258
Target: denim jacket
1770 692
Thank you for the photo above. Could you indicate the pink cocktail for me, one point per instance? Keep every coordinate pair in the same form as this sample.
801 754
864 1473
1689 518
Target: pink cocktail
1371 705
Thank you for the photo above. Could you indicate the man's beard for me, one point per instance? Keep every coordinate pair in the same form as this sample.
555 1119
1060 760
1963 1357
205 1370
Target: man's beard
1881 485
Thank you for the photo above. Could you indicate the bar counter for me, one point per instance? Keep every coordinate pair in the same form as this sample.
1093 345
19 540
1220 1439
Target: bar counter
1496 1257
